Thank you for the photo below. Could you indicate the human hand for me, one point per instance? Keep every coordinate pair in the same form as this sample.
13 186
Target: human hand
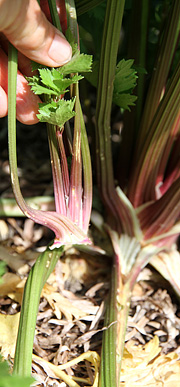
23 23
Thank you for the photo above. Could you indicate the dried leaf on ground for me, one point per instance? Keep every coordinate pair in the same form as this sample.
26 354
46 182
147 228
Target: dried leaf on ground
90 356
144 366
14 261
69 308
4 230
167 264
12 286
8 334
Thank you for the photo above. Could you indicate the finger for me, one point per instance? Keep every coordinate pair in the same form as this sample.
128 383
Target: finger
24 64
4 103
27 28
27 101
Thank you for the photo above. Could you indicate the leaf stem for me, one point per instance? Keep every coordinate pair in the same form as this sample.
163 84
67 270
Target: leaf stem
161 132
108 352
137 50
59 193
75 194
64 164
107 68
87 173
12 77
54 14
32 292
161 70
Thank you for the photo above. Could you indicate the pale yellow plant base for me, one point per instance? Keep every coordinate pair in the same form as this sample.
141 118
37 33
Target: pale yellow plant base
90 356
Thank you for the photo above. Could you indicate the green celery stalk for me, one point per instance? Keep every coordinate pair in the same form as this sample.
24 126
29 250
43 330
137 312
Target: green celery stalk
37 278
45 262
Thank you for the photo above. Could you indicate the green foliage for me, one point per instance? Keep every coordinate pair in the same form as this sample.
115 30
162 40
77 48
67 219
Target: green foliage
56 113
53 83
124 82
125 77
124 100
8 380
79 63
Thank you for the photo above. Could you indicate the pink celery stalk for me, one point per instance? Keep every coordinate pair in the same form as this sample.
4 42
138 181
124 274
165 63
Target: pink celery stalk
70 221
148 222
72 193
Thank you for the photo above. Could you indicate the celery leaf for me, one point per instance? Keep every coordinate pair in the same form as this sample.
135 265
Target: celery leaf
51 82
125 77
124 100
79 63
56 113
124 83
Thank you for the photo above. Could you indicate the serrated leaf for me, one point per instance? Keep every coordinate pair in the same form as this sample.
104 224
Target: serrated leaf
124 83
56 113
51 82
66 82
47 78
56 81
124 100
125 78
38 90
79 63
92 77
124 66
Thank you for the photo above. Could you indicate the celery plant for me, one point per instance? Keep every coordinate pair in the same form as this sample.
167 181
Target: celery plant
145 220
73 194
143 214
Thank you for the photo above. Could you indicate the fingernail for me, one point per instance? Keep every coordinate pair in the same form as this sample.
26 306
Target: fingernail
60 50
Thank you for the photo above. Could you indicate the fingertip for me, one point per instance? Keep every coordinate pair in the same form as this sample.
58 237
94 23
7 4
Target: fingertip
27 119
4 103
60 50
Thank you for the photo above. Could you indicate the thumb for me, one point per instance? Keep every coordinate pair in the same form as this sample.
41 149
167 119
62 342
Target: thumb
26 27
